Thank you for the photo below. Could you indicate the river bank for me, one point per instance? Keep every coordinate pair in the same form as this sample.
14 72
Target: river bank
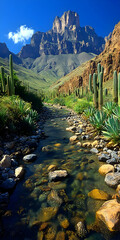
65 200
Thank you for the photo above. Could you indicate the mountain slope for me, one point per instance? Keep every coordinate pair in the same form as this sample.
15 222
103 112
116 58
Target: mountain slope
109 58
4 53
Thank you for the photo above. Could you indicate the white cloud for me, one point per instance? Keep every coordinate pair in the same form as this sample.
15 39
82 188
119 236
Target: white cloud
23 34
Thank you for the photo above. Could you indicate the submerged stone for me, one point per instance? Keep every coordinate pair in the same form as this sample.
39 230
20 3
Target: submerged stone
5 162
60 236
55 175
112 179
53 199
80 228
8 184
98 194
47 213
63 221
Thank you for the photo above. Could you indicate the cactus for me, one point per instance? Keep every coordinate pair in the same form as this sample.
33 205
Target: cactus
95 87
99 68
3 79
119 88
12 87
106 92
86 90
82 91
90 83
100 90
115 87
69 93
8 85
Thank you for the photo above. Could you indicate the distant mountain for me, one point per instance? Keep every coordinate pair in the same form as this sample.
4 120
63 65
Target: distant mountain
65 37
4 53
109 59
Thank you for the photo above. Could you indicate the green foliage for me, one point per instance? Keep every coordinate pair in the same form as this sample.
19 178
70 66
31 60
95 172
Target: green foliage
81 105
112 129
90 111
98 120
3 79
116 112
115 87
109 107
95 89
100 90
12 86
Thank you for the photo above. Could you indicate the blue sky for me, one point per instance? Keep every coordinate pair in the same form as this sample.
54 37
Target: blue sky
39 15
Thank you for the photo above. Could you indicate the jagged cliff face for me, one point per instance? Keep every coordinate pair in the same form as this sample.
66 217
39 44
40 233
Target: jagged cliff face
109 58
66 37
4 53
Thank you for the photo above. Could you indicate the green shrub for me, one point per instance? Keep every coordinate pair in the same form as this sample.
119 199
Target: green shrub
98 120
109 107
90 111
81 105
112 129
116 112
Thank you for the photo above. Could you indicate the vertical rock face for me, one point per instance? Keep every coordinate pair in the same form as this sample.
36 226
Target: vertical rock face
68 20
65 37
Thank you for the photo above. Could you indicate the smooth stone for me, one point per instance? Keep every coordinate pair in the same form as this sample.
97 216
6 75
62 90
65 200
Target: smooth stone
109 215
19 172
53 199
29 157
57 174
63 221
98 194
47 148
106 168
5 162
60 236
111 161
94 150
80 228
73 139
52 167
47 214
8 184
103 157
71 129
112 179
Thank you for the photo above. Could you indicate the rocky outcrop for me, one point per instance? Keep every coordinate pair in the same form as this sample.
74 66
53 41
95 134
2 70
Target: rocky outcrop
4 53
65 37
109 59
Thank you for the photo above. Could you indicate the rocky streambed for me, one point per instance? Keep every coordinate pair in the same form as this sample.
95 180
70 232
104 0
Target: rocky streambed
56 182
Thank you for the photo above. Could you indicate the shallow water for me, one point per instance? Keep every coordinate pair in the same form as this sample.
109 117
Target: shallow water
31 194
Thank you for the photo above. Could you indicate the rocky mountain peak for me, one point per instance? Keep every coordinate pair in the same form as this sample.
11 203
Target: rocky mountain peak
68 20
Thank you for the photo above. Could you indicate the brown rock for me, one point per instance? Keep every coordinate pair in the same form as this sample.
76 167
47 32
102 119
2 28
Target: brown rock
73 139
52 168
40 235
5 162
109 215
60 236
47 213
106 168
98 194
50 234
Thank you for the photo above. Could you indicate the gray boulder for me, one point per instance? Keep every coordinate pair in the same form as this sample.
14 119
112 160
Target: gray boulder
29 157
112 179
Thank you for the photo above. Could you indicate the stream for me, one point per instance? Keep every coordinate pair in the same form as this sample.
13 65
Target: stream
26 218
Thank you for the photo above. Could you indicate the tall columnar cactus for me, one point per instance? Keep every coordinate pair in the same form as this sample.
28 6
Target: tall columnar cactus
95 88
12 87
3 79
82 91
115 87
119 88
8 85
100 90
86 90
99 68
90 83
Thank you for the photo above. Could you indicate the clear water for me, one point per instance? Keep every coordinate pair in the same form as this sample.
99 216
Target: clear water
31 194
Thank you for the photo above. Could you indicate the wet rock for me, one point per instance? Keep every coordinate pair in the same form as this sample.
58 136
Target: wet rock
73 139
4 197
52 167
94 150
118 189
8 184
63 221
80 228
106 168
57 174
72 235
71 129
50 235
47 148
57 185
112 179
80 176
112 161
42 197
19 172
109 215
103 157
98 194
29 157
86 144
79 144
10 145
40 235
95 143
5 162
14 163
53 199
47 214
60 236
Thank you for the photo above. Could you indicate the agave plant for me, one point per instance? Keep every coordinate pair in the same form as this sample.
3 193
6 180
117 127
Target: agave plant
109 107
116 112
112 129
89 112
98 120
33 114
